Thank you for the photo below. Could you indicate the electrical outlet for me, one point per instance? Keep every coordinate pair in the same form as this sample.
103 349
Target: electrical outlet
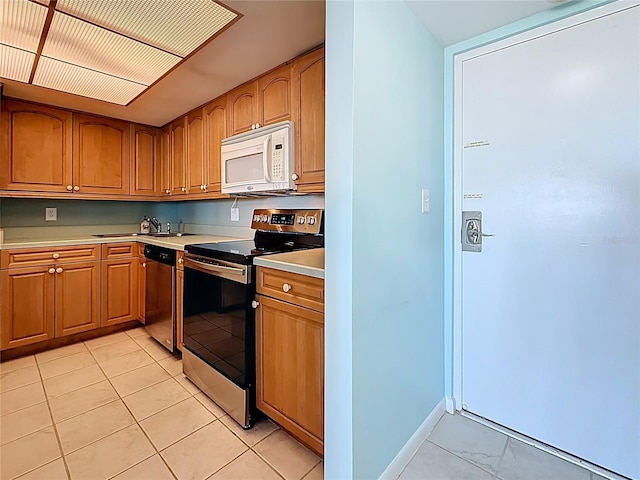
235 214
425 201
50 214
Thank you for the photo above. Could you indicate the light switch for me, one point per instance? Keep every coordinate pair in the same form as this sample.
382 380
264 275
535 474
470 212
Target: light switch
50 214
235 214
425 201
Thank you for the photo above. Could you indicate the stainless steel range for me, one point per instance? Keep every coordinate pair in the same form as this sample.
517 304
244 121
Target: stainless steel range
219 318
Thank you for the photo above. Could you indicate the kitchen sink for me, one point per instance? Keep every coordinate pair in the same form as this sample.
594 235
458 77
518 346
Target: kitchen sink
155 234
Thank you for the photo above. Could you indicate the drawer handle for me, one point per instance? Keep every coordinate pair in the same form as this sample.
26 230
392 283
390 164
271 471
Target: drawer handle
286 287
59 270
52 270
56 255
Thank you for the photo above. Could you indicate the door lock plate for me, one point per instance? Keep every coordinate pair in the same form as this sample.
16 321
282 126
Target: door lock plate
472 231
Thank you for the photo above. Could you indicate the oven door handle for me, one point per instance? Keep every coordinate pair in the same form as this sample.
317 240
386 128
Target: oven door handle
232 273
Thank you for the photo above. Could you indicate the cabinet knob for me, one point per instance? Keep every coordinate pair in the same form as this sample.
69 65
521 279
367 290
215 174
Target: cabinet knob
144 264
254 304
56 255
167 191
76 188
184 189
180 261
294 176
52 270
69 187
59 270
286 287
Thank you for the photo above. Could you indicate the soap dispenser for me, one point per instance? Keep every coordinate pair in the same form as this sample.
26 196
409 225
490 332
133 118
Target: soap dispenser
144 225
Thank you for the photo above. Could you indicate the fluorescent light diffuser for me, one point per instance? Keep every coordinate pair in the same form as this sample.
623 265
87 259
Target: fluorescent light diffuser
21 24
87 83
16 64
177 26
85 45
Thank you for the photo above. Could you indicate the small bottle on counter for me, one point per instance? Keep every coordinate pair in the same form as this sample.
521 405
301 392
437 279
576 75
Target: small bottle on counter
144 225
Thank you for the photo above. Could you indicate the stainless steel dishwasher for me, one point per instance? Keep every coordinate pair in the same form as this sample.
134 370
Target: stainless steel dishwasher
160 311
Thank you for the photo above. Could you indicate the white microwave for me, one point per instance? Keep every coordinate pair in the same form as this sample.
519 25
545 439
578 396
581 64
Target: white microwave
260 160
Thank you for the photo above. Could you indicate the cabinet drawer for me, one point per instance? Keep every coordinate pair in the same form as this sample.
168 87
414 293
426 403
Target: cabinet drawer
27 257
119 250
291 287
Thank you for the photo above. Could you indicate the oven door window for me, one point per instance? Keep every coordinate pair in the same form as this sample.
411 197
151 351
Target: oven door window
218 324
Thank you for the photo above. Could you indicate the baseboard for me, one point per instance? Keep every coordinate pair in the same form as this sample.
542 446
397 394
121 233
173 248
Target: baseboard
409 449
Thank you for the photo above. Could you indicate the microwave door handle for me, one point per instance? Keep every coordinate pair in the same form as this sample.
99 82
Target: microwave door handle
265 158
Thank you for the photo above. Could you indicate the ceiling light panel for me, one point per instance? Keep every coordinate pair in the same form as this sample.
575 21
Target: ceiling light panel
16 64
177 26
84 44
21 23
70 78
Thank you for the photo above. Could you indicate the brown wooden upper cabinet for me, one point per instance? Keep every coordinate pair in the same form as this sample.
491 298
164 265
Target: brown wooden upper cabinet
100 155
274 96
145 166
308 115
36 152
215 125
178 157
195 152
242 110
165 161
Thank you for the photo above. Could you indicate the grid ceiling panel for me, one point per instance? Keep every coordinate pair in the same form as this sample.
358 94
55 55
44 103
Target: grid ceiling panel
177 26
70 78
16 64
21 24
86 45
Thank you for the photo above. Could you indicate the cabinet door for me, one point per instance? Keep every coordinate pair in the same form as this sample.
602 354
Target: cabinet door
179 308
195 152
145 171
308 93
178 157
119 291
77 297
290 368
100 155
142 288
27 305
242 108
274 96
36 151
215 122
165 161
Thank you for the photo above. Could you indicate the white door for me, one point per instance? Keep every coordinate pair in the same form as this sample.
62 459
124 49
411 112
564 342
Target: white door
551 306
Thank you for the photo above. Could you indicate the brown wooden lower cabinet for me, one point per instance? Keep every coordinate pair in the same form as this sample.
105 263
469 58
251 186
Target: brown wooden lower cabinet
290 368
77 297
27 305
119 291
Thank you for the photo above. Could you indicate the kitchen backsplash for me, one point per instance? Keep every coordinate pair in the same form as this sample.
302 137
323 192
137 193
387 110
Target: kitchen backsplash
19 216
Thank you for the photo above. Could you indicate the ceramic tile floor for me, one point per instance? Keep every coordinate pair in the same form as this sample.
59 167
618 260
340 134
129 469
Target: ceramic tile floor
119 407
461 448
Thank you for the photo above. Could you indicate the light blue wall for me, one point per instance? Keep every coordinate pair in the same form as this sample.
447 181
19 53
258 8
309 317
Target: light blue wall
452 238
27 212
390 93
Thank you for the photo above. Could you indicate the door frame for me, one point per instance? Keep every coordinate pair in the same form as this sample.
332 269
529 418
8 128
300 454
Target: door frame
528 29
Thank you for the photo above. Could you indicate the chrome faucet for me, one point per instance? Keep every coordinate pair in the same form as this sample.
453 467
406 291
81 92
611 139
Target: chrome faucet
156 224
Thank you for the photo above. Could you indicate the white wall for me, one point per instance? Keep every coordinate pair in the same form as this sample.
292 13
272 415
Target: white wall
384 259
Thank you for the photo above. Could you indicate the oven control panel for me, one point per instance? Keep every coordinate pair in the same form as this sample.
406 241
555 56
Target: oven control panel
288 220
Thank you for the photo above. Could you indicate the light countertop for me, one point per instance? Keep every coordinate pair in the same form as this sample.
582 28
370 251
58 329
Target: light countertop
304 262
176 243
